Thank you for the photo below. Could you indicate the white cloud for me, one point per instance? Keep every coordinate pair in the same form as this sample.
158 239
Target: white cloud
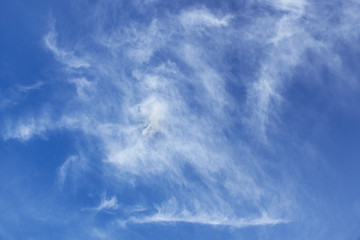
171 212
217 220
12 96
63 56
26 128
203 17
107 204
157 127
288 43
170 117
294 6
82 87
98 234
65 168
162 102
28 88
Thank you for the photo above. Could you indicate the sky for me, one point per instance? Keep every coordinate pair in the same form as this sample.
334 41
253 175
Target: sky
202 119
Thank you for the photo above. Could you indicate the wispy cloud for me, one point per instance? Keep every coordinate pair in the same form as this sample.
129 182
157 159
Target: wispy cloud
292 6
159 101
168 119
170 212
107 204
14 95
287 44
208 219
28 88
198 17
65 168
66 57
26 128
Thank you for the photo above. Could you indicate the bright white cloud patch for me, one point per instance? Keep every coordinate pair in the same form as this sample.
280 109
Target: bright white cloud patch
107 204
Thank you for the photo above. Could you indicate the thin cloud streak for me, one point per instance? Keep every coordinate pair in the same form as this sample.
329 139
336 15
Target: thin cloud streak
28 88
209 220
107 204
65 168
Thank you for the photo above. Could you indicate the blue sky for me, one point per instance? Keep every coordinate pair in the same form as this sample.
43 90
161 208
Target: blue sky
180 119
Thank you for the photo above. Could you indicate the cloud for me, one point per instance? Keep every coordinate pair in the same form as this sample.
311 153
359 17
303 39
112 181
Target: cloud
27 128
183 114
167 119
293 6
203 17
14 95
82 87
170 212
34 86
208 220
65 168
107 204
288 43
66 57
159 99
